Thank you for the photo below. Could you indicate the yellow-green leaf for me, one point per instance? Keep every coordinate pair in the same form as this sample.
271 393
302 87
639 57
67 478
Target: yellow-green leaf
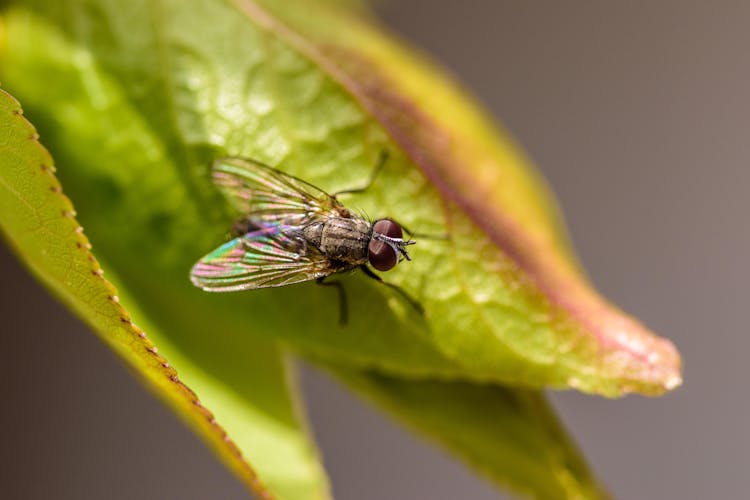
136 99
509 435
259 413
515 305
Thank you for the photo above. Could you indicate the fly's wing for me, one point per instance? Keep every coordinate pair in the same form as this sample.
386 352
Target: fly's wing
271 256
265 194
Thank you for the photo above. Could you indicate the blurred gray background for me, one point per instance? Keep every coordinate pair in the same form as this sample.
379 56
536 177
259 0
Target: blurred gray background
638 113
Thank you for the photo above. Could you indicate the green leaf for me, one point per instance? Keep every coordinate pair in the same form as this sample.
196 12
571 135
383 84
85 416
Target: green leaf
503 302
513 304
258 412
135 100
515 440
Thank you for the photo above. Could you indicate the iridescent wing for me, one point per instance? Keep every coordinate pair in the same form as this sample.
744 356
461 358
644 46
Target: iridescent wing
264 194
271 256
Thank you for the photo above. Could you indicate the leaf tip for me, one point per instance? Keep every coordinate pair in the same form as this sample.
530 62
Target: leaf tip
645 362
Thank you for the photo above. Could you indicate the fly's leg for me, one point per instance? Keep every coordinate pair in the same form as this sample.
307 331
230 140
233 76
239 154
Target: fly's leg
423 236
411 300
382 159
343 305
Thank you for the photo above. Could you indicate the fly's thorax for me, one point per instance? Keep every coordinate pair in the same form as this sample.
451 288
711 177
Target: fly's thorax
346 239
313 233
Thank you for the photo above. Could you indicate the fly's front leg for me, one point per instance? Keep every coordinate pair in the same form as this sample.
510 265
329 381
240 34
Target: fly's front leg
343 305
382 159
422 236
411 300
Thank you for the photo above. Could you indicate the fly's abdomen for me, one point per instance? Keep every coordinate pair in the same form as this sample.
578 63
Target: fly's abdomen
346 240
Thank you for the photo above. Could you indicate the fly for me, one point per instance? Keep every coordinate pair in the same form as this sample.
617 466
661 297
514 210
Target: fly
291 232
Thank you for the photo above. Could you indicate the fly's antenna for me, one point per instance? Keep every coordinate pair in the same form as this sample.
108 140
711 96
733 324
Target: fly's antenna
397 244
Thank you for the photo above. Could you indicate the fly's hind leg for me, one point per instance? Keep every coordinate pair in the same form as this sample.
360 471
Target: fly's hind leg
343 305
411 300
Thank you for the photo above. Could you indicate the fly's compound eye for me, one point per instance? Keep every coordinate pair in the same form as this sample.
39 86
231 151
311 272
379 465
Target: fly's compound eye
381 255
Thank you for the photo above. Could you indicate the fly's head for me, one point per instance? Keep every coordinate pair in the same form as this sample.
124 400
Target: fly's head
387 245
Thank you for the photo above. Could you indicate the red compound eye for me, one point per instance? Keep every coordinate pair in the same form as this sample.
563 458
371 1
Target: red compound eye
382 257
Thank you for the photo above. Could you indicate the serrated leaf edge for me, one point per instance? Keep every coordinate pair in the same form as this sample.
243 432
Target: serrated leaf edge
142 345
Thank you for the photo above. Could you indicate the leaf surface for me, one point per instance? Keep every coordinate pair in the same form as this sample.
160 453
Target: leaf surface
511 294
255 416
515 440
502 301
136 99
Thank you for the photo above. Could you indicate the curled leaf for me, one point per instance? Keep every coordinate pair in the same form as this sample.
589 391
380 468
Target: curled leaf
515 440
40 223
136 100
512 274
